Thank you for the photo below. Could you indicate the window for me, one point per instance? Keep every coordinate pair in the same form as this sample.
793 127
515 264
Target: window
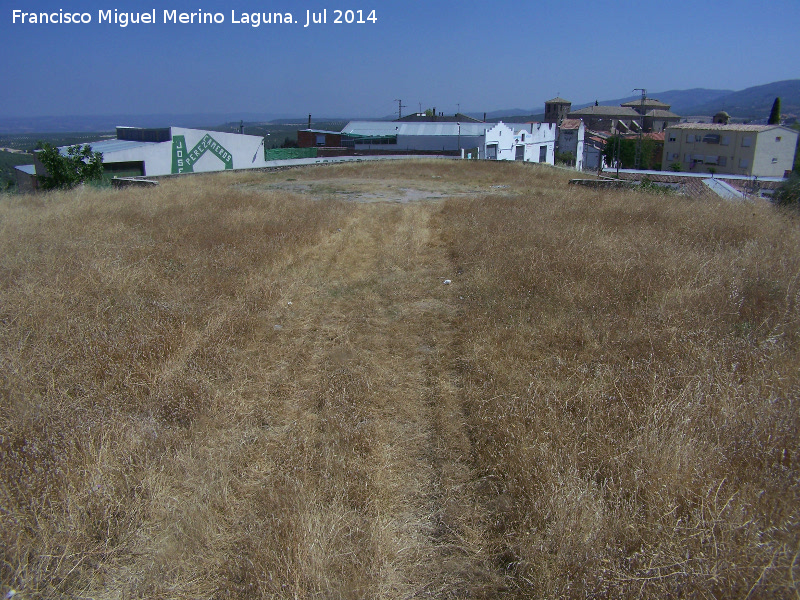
723 161
523 137
743 163
711 138
778 139
687 158
774 161
711 160
747 141
689 138
725 140
672 137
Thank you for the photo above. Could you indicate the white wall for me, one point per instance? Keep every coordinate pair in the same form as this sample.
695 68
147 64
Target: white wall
572 140
165 158
769 148
531 137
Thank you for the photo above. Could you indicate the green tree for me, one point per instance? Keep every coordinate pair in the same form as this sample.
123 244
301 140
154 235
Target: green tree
775 113
566 158
79 165
651 153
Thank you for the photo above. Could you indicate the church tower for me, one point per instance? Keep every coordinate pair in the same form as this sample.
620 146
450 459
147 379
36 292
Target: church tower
556 110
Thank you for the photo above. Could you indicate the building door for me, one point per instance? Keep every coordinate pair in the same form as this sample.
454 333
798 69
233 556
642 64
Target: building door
491 152
520 153
542 154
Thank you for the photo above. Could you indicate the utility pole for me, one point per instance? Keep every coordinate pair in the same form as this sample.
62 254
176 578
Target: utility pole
400 107
638 161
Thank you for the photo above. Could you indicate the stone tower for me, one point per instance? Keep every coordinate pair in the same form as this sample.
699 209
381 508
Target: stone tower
556 110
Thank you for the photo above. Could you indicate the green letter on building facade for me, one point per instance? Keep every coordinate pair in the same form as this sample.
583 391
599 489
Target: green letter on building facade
183 159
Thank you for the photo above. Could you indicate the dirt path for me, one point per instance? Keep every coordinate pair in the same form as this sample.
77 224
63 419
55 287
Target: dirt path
368 326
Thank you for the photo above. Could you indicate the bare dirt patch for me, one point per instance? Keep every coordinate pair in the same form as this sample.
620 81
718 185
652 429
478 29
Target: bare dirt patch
371 190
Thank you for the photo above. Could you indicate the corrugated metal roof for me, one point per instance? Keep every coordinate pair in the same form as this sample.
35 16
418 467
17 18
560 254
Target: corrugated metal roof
114 145
383 128
321 131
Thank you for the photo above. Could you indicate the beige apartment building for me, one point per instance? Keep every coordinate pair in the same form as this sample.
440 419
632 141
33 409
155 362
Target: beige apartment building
752 150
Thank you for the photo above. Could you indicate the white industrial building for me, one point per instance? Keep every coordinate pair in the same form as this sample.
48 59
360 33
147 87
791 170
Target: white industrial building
168 151
410 137
176 150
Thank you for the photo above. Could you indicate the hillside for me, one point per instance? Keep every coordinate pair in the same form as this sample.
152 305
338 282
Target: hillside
423 379
682 102
751 103
755 102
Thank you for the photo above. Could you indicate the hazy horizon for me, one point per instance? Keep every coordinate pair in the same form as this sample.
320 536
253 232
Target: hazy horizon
452 56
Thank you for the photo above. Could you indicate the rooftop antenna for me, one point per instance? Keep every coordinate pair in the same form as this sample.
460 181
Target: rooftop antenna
638 160
400 107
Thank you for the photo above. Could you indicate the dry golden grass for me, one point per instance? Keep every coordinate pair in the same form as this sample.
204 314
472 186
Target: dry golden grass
223 389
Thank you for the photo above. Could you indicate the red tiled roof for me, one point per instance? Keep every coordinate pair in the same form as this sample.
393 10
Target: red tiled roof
571 124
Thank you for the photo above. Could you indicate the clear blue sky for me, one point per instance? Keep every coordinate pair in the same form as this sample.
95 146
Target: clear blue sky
483 56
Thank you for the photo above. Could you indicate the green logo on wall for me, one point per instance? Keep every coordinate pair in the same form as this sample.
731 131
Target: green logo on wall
183 159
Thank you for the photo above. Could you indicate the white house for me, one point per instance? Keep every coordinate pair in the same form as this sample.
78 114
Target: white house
571 136
534 142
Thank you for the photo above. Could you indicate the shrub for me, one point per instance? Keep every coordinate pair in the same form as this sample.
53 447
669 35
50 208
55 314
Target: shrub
78 166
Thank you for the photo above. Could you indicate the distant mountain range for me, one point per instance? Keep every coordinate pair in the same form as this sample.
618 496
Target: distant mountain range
749 104
22 125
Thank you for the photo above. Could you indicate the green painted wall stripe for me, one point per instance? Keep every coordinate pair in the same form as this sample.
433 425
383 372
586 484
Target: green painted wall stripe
288 153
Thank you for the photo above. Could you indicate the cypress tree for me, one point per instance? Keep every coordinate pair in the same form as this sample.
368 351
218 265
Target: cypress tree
775 113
